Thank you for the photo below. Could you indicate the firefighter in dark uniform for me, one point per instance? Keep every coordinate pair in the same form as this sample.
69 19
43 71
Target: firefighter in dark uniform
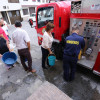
74 43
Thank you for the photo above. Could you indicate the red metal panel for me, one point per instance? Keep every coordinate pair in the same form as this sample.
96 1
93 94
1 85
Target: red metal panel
85 16
97 64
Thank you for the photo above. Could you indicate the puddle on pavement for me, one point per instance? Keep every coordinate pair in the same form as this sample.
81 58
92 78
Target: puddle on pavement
79 89
29 79
11 87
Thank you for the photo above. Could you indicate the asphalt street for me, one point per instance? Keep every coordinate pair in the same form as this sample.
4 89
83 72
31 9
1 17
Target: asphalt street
16 84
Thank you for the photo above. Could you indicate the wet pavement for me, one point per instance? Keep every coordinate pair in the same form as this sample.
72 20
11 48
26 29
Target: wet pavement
86 85
16 84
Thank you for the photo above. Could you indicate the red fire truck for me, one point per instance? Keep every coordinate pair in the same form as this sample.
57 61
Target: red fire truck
66 14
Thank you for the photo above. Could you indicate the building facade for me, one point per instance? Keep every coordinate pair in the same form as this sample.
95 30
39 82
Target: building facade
12 10
29 7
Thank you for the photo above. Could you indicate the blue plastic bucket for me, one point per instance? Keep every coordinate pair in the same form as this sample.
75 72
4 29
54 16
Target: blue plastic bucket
9 58
51 60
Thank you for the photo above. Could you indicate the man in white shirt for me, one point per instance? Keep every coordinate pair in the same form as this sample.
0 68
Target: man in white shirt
22 41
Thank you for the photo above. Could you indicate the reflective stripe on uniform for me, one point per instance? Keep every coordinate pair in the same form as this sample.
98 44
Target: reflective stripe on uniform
72 42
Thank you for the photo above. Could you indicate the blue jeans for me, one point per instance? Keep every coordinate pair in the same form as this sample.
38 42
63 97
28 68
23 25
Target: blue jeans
69 67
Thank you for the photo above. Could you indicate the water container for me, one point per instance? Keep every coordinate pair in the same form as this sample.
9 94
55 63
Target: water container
51 60
9 58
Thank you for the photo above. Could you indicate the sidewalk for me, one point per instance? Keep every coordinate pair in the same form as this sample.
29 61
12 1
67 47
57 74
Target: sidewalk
16 84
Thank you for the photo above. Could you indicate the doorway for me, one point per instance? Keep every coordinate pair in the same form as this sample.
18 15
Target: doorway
5 17
14 15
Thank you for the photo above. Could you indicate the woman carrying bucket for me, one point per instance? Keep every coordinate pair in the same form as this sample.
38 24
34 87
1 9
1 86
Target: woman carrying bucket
4 46
47 43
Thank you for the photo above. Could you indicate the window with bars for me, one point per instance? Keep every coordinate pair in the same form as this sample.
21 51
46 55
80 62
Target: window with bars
13 1
34 0
32 10
43 1
25 0
25 11
38 0
47 1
